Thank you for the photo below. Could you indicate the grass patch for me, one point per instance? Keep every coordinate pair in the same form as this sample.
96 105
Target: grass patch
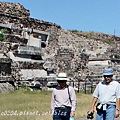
35 105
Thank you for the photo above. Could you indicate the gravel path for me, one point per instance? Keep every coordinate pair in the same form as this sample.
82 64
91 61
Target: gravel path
94 119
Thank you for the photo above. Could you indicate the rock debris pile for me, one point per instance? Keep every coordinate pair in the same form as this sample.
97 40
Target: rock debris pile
31 44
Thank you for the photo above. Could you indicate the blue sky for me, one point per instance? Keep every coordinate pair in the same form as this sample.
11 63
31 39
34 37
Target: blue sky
83 15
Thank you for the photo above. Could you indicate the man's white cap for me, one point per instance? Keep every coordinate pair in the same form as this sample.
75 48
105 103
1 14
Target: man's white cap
62 76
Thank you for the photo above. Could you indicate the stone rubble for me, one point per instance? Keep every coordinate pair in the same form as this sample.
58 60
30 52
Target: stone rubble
64 50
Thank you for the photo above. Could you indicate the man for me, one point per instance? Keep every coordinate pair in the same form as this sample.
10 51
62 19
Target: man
107 93
63 102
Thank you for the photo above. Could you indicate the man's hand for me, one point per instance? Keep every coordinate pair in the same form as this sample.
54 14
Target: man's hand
90 111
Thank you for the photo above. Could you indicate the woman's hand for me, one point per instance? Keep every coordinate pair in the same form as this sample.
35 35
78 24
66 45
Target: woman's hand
72 114
117 113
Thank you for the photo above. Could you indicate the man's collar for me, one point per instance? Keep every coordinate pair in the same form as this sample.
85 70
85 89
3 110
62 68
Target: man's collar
104 82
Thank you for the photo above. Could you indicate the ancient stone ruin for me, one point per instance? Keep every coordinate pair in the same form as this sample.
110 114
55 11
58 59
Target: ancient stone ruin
33 52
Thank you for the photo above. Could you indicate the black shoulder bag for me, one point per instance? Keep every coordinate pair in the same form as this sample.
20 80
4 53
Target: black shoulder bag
69 94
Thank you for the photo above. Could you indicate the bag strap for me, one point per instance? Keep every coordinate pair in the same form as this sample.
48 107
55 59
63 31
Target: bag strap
69 94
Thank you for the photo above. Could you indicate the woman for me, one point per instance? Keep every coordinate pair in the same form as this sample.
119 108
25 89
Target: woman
63 102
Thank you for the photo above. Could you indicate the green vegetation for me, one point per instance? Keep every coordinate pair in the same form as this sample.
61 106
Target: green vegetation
87 34
1 36
109 42
24 104
2 32
15 14
75 31
93 35
76 70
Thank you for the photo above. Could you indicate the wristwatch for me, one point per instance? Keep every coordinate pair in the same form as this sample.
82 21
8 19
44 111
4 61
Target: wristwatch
118 109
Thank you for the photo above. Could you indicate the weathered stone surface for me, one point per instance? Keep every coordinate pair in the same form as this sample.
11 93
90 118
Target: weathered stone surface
6 87
64 50
14 9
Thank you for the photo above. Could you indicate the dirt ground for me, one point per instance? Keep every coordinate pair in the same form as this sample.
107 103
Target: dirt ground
94 119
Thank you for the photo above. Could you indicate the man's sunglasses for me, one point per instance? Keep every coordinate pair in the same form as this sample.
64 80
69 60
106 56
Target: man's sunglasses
108 75
61 81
